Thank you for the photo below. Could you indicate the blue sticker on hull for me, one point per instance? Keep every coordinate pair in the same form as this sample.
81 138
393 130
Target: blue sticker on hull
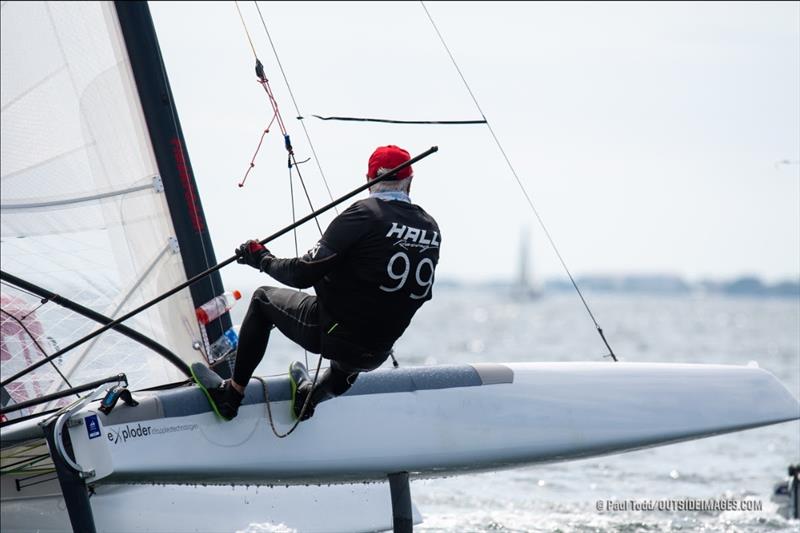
92 426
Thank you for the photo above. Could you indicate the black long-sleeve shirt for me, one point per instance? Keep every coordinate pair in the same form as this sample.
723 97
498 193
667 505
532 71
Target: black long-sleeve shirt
372 269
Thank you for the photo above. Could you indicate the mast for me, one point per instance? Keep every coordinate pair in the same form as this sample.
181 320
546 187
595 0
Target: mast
168 143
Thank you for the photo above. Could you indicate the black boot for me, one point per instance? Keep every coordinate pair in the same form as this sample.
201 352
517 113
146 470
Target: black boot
301 389
227 400
303 392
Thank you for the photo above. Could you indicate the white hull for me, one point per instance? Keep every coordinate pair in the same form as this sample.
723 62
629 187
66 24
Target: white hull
185 508
434 421
430 421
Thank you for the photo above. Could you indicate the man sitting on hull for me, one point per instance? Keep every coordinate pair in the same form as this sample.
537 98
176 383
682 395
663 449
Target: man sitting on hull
371 270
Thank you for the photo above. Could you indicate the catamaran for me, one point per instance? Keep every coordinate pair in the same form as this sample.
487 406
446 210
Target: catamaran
101 215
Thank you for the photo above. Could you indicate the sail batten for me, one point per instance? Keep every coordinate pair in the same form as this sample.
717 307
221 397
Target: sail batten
74 200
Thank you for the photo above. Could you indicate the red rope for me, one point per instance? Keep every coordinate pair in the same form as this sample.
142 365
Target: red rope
253 160
265 84
276 115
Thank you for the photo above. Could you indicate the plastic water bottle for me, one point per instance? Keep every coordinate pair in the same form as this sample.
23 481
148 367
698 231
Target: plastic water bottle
221 347
216 307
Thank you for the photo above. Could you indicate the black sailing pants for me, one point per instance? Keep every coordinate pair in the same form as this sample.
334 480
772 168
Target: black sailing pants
296 315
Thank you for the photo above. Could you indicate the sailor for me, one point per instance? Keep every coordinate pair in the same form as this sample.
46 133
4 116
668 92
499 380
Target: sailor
371 270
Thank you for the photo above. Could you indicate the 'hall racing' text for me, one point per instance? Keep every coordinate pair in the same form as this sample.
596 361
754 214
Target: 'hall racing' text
409 237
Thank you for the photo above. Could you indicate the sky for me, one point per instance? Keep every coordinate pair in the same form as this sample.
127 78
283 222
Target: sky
647 134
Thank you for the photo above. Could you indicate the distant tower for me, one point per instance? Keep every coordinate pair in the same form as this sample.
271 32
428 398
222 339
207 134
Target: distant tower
524 251
523 287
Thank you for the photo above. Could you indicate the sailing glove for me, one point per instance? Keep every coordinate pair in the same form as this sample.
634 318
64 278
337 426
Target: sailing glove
252 253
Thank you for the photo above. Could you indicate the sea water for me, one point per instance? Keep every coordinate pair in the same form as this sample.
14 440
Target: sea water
468 324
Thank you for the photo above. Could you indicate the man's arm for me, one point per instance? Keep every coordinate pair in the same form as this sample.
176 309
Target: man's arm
303 272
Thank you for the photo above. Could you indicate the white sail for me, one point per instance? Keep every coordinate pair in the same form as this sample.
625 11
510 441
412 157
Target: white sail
83 211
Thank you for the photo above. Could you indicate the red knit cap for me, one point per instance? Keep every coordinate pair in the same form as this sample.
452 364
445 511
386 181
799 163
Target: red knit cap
386 158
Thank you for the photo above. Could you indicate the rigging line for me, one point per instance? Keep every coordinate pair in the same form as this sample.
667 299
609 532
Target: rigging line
294 216
249 40
303 183
292 161
39 346
294 233
392 121
23 291
519 181
12 421
262 79
302 409
42 302
272 101
294 101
